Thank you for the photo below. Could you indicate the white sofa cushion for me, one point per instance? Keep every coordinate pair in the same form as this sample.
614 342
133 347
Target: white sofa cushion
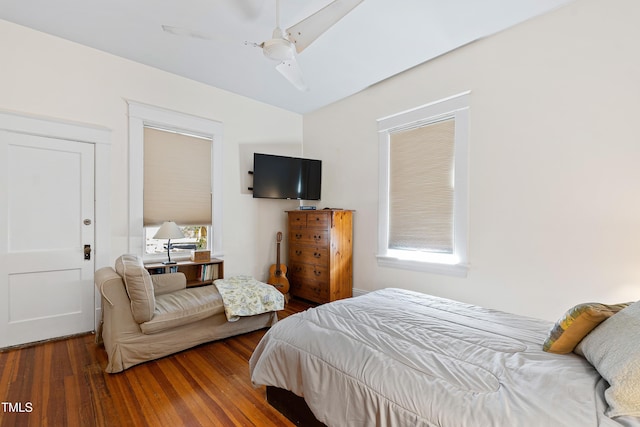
167 283
183 307
139 286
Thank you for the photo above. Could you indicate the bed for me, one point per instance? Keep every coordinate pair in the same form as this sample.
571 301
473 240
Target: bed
399 358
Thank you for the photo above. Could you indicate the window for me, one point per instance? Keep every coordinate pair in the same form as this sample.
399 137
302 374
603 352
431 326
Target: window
197 133
195 237
423 188
177 174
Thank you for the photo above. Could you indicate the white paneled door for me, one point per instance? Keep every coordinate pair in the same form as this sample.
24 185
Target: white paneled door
46 227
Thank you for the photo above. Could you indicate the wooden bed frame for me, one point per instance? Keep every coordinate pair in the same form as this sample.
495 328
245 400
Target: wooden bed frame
293 407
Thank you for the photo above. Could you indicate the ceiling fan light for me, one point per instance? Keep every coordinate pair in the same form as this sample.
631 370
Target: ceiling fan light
278 49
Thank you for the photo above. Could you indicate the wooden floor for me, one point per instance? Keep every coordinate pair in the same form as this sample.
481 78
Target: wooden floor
63 383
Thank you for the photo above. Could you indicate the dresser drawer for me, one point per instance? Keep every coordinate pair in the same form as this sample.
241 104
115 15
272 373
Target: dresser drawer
309 236
298 219
302 273
308 255
319 219
313 291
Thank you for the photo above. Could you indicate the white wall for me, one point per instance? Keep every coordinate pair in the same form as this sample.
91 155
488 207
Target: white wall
47 76
554 161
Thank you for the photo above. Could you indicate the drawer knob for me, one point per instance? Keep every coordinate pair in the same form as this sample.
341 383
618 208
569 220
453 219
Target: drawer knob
316 237
298 252
317 273
298 236
317 255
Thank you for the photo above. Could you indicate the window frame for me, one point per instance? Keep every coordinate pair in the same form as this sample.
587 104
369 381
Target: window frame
455 264
141 115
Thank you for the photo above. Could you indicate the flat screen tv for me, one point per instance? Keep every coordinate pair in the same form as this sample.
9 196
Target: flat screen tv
281 177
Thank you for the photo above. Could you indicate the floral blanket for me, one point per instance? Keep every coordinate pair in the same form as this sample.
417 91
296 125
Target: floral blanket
245 296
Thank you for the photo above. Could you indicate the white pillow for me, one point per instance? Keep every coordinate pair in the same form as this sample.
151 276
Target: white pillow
613 348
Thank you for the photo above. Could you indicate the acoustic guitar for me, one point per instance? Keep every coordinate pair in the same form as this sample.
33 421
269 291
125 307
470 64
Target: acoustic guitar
277 272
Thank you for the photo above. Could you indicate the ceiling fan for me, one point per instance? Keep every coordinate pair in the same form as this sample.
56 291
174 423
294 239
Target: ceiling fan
285 45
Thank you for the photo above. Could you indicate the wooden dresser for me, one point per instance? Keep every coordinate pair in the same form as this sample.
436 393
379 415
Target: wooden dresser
320 254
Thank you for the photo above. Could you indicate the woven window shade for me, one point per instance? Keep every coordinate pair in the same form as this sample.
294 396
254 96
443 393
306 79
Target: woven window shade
421 188
177 178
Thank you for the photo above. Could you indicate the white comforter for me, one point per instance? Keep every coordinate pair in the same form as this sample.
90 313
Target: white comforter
400 358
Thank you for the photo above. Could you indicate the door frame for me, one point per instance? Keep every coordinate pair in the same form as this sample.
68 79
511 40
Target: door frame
81 132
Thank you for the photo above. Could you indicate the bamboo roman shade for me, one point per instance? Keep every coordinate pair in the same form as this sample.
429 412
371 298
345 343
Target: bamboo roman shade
421 189
177 178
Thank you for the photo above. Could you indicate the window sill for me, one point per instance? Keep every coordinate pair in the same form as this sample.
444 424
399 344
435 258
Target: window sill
457 269
154 258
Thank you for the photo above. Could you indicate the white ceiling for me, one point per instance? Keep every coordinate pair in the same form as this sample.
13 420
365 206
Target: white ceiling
378 39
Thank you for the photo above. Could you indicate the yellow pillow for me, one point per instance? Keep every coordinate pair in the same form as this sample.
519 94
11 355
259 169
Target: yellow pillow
576 323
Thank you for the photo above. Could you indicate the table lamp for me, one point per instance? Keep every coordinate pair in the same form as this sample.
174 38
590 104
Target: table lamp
169 230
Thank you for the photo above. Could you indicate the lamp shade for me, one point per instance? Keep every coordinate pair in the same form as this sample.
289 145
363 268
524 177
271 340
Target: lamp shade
169 230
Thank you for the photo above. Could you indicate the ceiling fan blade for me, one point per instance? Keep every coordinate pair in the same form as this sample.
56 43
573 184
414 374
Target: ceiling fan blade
292 72
306 31
250 9
185 32
201 35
